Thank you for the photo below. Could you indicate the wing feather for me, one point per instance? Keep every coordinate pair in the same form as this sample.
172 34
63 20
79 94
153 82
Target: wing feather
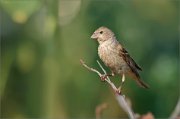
131 63
129 60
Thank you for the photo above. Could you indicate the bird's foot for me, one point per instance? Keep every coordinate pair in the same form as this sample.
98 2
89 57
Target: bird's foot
103 77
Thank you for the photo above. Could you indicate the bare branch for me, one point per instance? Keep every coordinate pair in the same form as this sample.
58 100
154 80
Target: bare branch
122 102
176 112
120 98
90 69
108 79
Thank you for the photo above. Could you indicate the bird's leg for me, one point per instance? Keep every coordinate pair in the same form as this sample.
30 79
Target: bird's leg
104 76
122 82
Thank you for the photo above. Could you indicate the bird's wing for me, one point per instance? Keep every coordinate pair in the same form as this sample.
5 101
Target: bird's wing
129 60
132 64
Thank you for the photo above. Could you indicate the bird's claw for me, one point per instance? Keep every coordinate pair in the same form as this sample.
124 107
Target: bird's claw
103 77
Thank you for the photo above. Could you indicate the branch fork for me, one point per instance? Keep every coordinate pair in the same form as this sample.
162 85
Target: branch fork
120 98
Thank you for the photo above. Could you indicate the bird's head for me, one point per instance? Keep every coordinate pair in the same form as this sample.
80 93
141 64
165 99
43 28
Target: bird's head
102 34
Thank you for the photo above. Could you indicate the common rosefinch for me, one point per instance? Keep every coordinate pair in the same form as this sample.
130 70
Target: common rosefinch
114 56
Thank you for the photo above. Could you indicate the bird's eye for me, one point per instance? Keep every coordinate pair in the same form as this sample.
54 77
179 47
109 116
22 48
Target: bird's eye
101 32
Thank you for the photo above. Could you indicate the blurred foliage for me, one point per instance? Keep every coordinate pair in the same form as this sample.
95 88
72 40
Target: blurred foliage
42 42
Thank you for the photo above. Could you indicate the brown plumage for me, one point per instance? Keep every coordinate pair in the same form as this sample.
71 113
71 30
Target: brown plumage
114 56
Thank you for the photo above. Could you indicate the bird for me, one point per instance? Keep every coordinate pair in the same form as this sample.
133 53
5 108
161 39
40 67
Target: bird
116 57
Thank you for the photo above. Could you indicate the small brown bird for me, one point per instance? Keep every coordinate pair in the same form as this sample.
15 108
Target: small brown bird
114 56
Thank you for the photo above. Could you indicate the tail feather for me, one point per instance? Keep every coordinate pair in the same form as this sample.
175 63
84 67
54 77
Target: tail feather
136 77
142 84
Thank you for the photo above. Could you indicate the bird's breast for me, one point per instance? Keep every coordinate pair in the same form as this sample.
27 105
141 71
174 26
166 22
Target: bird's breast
111 58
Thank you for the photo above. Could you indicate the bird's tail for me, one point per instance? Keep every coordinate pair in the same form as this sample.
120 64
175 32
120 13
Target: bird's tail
142 83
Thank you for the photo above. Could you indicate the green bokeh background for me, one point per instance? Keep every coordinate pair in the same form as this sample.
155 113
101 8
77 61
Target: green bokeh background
42 42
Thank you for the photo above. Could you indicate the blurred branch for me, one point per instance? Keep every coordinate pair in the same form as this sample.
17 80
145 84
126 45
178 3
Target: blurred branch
120 98
99 109
149 115
176 112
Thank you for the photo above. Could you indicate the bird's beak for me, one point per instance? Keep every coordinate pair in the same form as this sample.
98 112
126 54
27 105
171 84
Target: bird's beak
94 36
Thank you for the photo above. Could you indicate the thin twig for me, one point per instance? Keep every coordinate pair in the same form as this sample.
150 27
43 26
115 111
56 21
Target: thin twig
107 78
120 98
90 69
